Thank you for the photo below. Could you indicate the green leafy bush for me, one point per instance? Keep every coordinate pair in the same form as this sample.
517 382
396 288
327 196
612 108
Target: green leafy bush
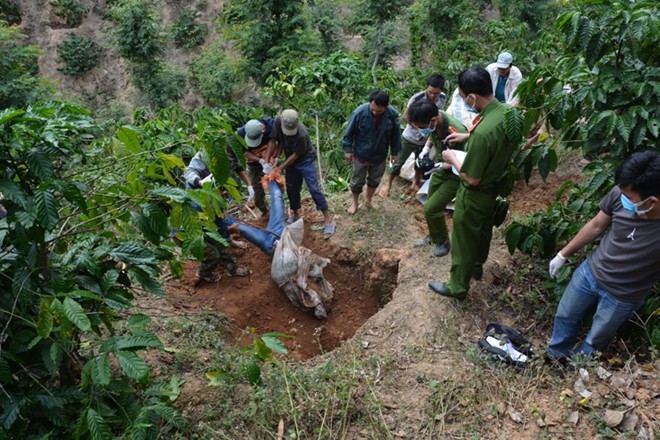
161 83
10 12
138 30
71 11
214 75
187 32
79 54
19 81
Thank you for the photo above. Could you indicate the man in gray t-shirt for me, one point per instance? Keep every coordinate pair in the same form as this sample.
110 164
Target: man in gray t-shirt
623 269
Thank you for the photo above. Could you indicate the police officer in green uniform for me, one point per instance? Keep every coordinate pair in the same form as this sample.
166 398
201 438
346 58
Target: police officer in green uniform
442 187
488 156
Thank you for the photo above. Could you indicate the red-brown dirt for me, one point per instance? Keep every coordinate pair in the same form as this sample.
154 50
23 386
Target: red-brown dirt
256 301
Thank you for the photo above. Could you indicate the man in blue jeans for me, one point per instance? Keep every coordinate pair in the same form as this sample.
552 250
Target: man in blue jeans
290 135
621 272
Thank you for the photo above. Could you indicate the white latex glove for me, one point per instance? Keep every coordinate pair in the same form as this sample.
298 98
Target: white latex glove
206 179
425 152
262 161
438 166
556 264
268 168
250 193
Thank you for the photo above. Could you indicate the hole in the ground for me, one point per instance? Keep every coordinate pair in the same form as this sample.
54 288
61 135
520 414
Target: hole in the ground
362 285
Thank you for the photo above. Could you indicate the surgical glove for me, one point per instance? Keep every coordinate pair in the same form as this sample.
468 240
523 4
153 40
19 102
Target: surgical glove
268 168
425 151
437 167
250 193
206 179
556 264
262 162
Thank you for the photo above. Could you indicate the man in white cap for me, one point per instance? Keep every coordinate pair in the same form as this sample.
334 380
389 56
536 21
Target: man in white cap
256 133
290 135
506 78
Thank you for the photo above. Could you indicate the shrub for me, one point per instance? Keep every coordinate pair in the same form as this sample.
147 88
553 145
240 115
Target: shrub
79 54
186 32
138 31
214 75
71 11
162 84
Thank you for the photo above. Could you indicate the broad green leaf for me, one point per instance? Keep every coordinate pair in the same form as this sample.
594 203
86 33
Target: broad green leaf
173 160
9 114
253 373
102 370
13 192
73 192
98 427
170 415
129 137
108 279
136 342
9 414
176 268
40 165
218 161
132 364
513 234
513 124
274 344
46 207
132 252
176 194
75 313
45 317
138 321
157 219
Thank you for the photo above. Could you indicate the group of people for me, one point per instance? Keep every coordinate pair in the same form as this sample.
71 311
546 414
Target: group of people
474 152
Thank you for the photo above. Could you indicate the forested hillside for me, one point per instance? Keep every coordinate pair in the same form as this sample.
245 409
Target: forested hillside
104 332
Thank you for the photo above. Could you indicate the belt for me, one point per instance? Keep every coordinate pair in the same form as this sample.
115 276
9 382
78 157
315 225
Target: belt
479 189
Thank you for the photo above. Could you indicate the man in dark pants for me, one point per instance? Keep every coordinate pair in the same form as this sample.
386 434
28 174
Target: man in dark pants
373 129
290 135
256 133
489 152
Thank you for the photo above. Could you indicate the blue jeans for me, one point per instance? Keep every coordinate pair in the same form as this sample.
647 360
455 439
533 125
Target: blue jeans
583 294
295 173
265 239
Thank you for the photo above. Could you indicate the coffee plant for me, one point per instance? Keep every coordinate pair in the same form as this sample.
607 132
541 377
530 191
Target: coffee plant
79 54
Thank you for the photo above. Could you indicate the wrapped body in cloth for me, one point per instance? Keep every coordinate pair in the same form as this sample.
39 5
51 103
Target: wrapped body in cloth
295 269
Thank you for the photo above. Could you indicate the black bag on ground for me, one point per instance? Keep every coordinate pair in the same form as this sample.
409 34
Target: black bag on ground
505 346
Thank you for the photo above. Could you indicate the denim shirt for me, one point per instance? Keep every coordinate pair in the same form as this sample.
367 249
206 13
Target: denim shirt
369 143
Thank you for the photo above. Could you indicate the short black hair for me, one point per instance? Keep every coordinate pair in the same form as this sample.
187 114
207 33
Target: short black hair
422 112
475 80
640 172
380 97
436 80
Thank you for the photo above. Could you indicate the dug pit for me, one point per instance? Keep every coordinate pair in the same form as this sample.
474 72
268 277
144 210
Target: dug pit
362 283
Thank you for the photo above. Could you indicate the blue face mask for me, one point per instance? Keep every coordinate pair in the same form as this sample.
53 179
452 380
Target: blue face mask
473 108
631 207
426 131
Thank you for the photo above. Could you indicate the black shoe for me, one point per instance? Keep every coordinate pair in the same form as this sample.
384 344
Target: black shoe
441 250
478 276
440 287
563 363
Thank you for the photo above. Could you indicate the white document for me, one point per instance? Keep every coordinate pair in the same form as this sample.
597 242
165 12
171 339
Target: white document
460 155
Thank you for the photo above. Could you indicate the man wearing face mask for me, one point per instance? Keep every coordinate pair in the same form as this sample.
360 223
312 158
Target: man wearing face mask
413 139
489 153
505 78
622 271
372 130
